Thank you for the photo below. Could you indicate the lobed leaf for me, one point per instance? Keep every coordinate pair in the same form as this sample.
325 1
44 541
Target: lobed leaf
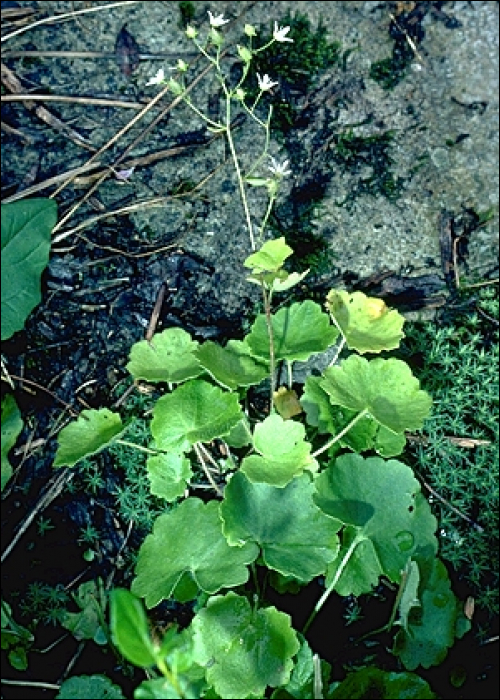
231 366
83 687
93 430
386 389
270 257
168 475
387 520
294 536
169 357
371 682
187 543
284 453
244 649
367 324
194 412
300 330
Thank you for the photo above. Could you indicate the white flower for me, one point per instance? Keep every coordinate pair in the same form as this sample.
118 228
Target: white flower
158 78
217 20
280 33
265 82
279 169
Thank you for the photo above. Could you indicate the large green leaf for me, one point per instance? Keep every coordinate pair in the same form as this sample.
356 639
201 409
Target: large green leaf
365 434
231 366
284 452
371 682
90 433
26 237
169 357
12 424
169 474
386 389
299 330
295 537
387 520
367 324
245 649
187 543
429 628
194 412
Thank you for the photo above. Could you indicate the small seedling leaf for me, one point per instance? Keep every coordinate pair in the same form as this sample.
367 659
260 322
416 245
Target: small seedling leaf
196 547
169 474
93 430
130 629
283 452
245 649
12 424
270 257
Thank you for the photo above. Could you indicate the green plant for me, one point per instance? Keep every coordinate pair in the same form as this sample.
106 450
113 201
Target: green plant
299 478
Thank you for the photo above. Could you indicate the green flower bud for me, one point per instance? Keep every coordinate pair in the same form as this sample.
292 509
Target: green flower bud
191 32
250 30
245 54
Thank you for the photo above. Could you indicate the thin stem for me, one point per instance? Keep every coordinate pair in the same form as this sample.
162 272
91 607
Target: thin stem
239 175
290 373
339 349
359 538
206 470
340 435
267 215
137 447
160 662
200 114
272 358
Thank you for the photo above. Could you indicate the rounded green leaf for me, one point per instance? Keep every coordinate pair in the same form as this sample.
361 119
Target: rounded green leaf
367 324
194 412
26 238
168 474
12 424
244 649
386 389
295 537
284 453
90 433
386 516
300 330
189 541
169 357
231 366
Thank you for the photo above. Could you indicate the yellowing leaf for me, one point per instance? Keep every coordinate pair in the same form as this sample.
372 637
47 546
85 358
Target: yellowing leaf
287 403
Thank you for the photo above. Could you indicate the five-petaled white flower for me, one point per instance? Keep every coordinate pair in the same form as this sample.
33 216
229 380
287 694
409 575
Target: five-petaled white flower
217 20
280 33
279 169
158 78
265 82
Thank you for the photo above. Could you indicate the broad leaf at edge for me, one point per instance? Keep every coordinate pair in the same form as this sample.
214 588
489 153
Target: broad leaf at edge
295 537
386 389
188 543
26 239
194 412
12 424
84 687
386 516
371 682
244 649
93 430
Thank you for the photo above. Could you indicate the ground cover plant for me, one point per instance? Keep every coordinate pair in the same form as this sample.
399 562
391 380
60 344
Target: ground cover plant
257 484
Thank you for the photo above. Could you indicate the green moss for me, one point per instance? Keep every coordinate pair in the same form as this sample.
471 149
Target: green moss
187 13
296 64
457 363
